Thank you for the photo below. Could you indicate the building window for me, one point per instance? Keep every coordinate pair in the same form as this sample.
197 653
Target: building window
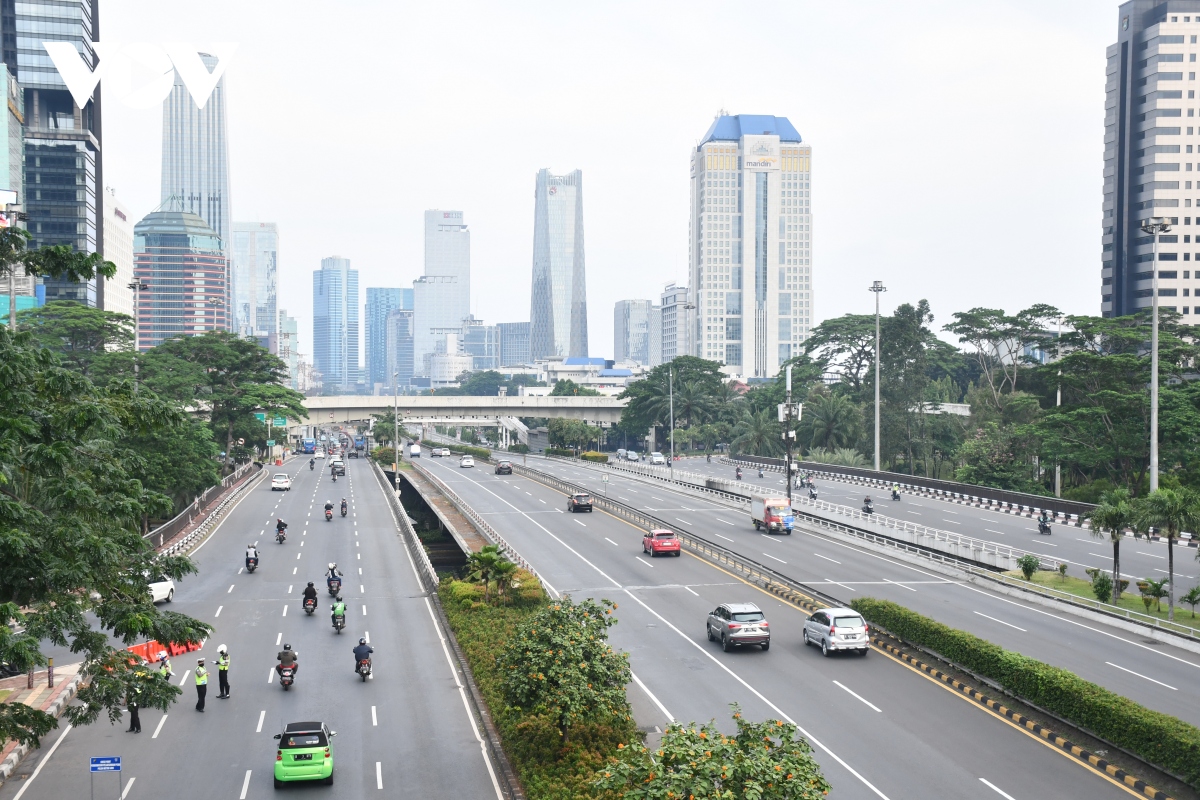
1168 292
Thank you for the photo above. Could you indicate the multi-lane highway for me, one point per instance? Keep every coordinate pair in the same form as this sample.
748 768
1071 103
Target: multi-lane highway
879 728
1153 673
406 732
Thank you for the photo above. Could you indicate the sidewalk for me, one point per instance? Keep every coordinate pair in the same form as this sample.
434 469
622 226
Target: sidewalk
41 697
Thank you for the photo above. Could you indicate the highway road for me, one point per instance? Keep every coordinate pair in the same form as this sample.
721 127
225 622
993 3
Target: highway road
1152 673
879 729
404 733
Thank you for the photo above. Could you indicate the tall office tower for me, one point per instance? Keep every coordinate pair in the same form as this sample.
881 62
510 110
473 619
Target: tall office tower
750 244
442 296
335 325
12 152
1145 139
380 303
179 257
675 323
398 348
195 157
254 279
482 343
514 344
558 307
64 175
118 248
631 331
654 337
287 347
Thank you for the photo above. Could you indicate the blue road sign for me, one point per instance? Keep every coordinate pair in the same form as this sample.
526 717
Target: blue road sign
106 764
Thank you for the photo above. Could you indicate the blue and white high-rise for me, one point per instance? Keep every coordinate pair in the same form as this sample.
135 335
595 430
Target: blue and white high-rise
558 306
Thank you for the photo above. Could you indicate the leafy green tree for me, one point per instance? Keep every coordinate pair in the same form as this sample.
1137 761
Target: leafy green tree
845 346
559 663
649 398
758 433
99 344
1170 511
224 376
999 341
1192 598
177 460
1102 586
484 565
569 388
992 456
74 567
60 261
833 420
763 760
571 433
1028 564
1112 516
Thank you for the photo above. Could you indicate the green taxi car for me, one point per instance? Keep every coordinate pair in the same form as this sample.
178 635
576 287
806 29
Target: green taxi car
305 753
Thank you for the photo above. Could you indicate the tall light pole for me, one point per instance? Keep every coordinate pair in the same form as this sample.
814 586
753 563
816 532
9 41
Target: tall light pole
671 390
1057 404
137 286
877 287
1154 226
788 435
396 430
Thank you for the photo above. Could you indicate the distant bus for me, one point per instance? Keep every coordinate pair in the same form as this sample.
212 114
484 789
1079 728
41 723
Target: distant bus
360 443
308 445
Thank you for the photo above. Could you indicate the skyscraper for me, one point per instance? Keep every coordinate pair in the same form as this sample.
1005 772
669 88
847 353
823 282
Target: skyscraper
255 261
335 325
1145 140
514 344
288 347
482 343
179 257
749 245
631 331
558 307
675 323
380 303
63 170
398 348
118 248
442 296
195 158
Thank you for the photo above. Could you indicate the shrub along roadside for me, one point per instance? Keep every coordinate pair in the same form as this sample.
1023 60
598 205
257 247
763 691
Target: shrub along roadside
558 451
1162 740
592 455
462 449
547 766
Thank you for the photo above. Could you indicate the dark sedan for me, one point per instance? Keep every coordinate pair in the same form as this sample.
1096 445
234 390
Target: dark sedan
580 501
504 468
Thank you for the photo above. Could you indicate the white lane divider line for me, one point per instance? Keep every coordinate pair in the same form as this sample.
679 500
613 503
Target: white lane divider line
294 570
780 560
670 717
1002 622
577 522
726 538
359 556
43 763
218 612
996 789
727 522
158 727
285 609
1131 672
647 563
827 558
378 775
684 521
835 583
298 555
989 530
271 675
262 715
610 541
290 587
230 589
897 583
183 680
239 572
691 590
245 786
374 719
858 696
279 638
128 786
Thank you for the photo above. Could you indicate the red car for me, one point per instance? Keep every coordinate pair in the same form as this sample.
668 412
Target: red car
661 541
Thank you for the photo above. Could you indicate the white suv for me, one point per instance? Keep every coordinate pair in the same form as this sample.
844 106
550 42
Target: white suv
838 629
281 482
658 458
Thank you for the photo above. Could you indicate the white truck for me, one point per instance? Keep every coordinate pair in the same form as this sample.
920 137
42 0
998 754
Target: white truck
772 514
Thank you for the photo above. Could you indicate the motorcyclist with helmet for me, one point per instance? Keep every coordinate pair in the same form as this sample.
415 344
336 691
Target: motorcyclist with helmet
343 506
339 610
362 652
287 658
310 593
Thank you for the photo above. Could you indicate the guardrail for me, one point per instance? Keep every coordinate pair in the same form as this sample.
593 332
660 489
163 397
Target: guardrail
212 519
166 531
429 578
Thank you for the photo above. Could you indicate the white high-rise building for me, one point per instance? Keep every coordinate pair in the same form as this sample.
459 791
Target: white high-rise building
255 261
442 296
558 302
750 245
631 331
118 248
674 323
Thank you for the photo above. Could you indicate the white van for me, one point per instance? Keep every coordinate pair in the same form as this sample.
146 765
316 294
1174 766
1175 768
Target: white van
414 451
658 458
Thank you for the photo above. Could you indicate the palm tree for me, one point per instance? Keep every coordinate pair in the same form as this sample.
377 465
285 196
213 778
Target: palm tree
1113 515
504 572
1171 511
834 420
692 404
757 433
482 566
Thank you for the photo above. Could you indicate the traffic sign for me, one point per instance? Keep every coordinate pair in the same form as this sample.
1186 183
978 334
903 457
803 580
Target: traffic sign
270 442
106 764
260 416
279 422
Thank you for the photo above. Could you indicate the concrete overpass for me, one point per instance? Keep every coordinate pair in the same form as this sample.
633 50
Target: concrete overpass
457 410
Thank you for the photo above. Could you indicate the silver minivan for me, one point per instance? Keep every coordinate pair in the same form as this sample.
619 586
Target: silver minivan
838 629
734 624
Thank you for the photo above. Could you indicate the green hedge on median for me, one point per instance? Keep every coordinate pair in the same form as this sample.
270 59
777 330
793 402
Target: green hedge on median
461 449
592 455
1169 743
558 451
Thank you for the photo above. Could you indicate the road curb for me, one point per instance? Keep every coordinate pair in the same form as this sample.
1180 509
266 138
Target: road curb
55 709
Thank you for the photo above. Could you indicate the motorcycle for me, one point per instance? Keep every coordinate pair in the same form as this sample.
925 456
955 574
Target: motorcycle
335 477
760 473
335 586
739 474
310 605
868 508
1043 528
311 466
895 494
251 564
812 494
281 536
343 511
287 676
328 514
364 669
339 622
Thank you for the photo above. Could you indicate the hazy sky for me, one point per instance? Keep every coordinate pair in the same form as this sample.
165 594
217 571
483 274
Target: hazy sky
957 145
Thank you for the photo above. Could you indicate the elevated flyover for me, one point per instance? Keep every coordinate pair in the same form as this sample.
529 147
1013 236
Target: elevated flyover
458 410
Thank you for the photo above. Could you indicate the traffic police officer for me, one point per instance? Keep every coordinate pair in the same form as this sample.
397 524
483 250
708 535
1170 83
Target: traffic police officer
201 684
223 672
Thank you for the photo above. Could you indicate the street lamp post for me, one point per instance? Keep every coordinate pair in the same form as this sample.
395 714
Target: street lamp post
877 287
396 430
671 390
1154 226
137 286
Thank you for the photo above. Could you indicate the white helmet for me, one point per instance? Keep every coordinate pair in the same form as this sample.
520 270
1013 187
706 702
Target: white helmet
332 565
222 649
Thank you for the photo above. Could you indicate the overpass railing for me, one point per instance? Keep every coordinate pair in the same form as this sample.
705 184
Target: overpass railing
169 529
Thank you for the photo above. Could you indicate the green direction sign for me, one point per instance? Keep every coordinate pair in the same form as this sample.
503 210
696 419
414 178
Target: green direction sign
260 416
279 422
270 442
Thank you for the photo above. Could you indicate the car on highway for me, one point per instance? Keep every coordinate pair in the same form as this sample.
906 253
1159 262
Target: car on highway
661 541
580 501
436 452
337 466
631 455
319 454
504 467
414 451
834 629
304 753
466 461
162 589
658 458
281 482
737 624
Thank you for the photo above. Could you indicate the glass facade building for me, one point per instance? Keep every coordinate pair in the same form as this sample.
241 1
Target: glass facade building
482 343
287 347
398 347
195 158
380 303
558 305
253 274
180 258
442 296
631 330
335 325
514 344
63 178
